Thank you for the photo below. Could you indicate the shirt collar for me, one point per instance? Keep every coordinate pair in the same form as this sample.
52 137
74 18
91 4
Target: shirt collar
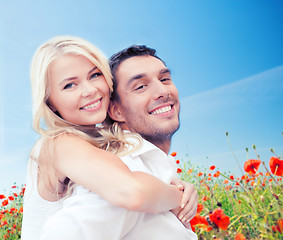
143 147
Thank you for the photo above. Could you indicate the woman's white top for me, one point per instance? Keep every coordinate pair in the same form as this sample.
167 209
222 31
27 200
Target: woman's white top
36 210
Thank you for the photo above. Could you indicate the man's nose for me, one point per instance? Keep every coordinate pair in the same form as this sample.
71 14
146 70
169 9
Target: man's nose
160 90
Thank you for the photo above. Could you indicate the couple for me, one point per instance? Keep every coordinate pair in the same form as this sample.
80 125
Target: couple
77 190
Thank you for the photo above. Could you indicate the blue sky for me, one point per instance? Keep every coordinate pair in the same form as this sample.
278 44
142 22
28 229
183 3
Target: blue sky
226 59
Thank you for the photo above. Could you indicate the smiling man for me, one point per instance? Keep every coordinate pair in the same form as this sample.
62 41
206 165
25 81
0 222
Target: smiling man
145 99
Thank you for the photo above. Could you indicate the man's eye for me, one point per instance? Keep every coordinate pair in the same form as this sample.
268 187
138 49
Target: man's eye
69 85
165 79
140 87
95 75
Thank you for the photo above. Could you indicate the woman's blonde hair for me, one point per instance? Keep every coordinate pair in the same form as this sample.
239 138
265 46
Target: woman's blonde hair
40 67
49 124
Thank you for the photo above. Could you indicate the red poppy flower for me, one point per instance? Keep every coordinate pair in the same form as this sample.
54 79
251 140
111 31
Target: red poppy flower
173 154
240 236
2 196
219 218
5 202
199 208
244 177
212 167
232 177
217 174
225 181
11 198
251 166
199 174
276 166
4 223
179 170
201 222
13 210
278 227
205 198
23 191
177 161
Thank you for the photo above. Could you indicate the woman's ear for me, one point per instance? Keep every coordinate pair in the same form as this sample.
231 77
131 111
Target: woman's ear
115 113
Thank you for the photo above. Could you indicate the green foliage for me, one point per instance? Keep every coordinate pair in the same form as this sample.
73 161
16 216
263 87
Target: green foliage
253 203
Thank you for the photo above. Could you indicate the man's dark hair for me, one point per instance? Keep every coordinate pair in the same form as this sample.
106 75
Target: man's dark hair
117 58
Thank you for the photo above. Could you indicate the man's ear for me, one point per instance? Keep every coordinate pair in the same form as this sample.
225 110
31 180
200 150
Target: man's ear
115 112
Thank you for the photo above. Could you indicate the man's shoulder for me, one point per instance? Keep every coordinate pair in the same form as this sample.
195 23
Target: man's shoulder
139 145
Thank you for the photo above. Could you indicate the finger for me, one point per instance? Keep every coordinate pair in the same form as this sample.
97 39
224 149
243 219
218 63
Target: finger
188 192
190 214
181 187
191 205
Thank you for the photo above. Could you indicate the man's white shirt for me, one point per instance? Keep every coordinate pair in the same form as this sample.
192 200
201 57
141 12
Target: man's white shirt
85 215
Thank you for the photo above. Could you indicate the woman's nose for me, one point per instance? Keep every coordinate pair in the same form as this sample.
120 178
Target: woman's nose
88 89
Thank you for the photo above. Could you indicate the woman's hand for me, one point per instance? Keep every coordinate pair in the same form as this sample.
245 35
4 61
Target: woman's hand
189 202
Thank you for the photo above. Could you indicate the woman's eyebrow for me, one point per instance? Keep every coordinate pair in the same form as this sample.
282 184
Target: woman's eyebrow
67 79
92 70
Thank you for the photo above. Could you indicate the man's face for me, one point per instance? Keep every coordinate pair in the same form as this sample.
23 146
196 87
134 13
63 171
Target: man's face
149 102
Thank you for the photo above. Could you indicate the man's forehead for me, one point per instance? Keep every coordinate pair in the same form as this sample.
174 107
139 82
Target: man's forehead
140 65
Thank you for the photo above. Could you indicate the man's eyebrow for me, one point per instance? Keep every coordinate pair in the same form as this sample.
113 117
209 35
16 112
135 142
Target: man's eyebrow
136 77
165 70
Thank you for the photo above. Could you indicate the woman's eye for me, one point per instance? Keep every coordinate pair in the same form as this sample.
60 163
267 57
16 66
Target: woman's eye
95 75
69 85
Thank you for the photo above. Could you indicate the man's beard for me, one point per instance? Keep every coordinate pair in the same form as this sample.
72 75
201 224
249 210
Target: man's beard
159 137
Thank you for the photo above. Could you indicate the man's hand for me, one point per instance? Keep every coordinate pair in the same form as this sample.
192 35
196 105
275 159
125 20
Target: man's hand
189 202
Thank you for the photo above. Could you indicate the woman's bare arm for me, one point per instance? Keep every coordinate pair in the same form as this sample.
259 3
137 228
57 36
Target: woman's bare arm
105 174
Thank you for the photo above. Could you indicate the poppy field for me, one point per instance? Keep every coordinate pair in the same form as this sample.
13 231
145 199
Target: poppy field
246 207
11 213
230 207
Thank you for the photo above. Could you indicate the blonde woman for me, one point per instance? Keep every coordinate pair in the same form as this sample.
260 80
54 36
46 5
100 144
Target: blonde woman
71 85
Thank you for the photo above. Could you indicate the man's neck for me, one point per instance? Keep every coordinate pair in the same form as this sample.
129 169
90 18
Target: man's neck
164 146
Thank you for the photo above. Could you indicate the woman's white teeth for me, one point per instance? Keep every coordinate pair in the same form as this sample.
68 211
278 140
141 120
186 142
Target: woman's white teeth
91 105
162 110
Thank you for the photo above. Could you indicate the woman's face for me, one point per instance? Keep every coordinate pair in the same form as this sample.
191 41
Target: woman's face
78 90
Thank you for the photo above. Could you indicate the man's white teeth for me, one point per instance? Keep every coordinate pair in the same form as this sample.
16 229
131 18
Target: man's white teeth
162 110
91 105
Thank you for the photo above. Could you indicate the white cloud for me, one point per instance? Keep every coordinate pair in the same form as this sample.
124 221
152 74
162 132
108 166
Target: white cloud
265 86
